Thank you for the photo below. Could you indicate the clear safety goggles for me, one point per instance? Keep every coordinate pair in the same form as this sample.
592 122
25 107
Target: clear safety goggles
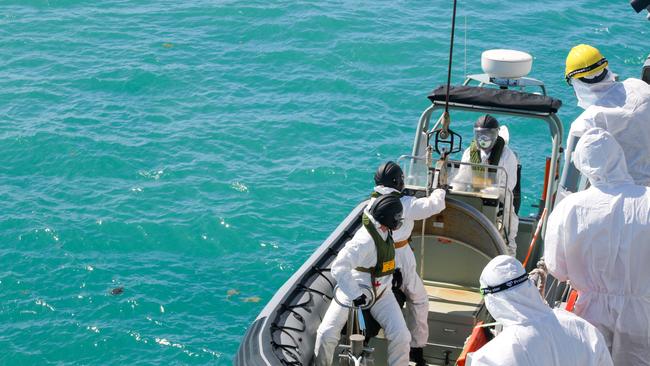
486 137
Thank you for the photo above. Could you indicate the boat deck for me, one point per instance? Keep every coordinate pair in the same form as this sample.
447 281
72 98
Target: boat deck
452 311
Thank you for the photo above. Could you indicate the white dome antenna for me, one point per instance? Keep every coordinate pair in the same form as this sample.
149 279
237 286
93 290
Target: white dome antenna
506 64
507 69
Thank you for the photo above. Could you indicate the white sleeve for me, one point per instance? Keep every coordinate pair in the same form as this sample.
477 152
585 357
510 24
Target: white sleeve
464 174
510 165
603 357
421 208
554 243
355 253
581 124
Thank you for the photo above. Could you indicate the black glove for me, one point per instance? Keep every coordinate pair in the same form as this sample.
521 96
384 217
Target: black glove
398 279
360 301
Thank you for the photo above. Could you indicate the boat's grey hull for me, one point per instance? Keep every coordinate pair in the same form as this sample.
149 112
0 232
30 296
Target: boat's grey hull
285 331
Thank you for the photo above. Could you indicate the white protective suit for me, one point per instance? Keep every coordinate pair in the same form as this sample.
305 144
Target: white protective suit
533 333
417 300
599 239
622 109
360 252
509 162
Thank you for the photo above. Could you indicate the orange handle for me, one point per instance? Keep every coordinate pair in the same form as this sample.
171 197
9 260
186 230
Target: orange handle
534 240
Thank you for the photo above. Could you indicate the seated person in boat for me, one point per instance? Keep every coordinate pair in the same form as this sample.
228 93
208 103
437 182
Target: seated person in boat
368 258
490 148
533 333
599 240
389 180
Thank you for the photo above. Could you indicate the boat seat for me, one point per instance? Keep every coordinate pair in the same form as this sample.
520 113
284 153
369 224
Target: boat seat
452 315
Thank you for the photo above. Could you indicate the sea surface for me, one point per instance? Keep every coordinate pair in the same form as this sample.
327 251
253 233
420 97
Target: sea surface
166 165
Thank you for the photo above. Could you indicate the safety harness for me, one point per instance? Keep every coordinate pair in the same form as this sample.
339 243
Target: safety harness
493 159
385 252
375 194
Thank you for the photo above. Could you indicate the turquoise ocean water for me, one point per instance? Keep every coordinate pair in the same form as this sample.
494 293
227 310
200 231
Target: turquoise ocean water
194 153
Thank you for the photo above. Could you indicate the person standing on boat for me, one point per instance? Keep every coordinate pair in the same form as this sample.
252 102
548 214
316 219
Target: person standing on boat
389 180
490 148
621 108
368 258
599 239
533 333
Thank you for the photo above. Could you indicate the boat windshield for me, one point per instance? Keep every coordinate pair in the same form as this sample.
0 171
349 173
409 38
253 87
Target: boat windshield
488 180
485 180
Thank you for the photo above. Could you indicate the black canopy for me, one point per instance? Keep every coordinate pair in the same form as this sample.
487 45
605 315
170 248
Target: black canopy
496 98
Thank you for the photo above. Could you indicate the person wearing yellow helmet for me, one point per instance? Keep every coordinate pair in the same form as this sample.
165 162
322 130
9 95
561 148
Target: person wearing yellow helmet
621 108
585 63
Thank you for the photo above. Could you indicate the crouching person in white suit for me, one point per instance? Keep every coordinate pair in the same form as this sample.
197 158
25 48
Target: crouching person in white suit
368 258
389 180
533 333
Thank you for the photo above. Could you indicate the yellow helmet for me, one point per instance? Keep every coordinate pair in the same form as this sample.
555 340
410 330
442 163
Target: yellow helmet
583 60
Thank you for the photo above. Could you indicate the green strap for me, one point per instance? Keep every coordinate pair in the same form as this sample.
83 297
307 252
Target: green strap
493 159
376 194
385 252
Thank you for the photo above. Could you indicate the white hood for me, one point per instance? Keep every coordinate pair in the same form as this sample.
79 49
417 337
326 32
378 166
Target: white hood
385 190
601 159
520 304
589 94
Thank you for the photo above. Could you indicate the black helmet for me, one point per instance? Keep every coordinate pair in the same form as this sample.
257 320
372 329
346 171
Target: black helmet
486 132
486 121
387 210
390 175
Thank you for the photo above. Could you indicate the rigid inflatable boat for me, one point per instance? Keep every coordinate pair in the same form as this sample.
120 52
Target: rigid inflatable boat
451 248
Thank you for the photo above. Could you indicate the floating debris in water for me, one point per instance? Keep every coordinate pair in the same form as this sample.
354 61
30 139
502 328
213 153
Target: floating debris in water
163 342
272 244
168 45
136 336
117 291
44 304
240 187
162 309
154 174
252 299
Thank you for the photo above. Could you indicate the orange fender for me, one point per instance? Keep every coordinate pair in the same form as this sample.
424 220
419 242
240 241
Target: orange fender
475 341
571 300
